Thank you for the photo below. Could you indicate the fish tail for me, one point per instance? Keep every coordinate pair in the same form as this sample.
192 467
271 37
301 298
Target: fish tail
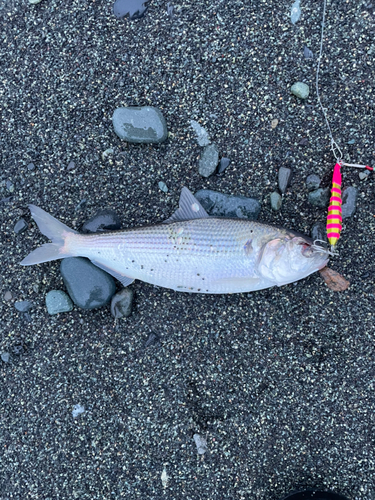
55 231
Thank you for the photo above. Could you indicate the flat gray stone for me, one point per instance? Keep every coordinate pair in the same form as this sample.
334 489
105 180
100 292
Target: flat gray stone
319 197
300 90
312 182
202 134
88 286
163 187
349 201
23 305
208 160
138 124
121 303
223 205
276 201
5 356
20 226
57 302
224 162
284 177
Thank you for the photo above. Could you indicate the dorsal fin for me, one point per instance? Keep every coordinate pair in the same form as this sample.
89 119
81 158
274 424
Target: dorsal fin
189 208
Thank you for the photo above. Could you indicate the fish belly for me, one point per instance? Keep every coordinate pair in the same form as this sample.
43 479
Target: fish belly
203 255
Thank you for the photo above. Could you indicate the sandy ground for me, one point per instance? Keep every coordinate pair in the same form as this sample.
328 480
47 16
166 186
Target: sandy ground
280 382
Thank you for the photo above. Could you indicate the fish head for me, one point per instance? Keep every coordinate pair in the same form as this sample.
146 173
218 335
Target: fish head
291 258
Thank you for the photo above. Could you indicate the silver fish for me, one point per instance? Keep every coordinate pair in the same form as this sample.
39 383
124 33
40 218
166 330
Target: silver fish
189 252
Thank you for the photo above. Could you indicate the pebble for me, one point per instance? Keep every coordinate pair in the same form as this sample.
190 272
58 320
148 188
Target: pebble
103 220
202 134
300 90
312 182
319 198
153 339
319 232
20 226
224 162
23 305
8 296
349 201
163 187
274 123
121 303
276 201
5 356
134 8
58 301
71 165
77 410
107 152
284 178
10 186
30 166
136 124
88 286
352 141
308 53
208 160
223 205
364 174
34 2
201 444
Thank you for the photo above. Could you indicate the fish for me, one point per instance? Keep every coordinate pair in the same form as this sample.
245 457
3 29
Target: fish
189 252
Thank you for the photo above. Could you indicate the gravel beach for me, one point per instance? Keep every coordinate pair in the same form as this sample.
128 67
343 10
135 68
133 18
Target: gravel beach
245 396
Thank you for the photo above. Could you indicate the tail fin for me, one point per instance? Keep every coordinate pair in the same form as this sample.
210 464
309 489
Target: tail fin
55 231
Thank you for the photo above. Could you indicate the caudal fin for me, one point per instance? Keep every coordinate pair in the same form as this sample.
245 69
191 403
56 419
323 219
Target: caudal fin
55 231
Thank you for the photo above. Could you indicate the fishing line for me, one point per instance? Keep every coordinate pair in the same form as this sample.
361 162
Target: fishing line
334 216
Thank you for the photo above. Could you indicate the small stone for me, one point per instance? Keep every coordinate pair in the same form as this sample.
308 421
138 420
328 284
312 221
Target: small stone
121 304
163 187
136 124
23 305
364 174
88 286
30 166
106 153
10 186
5 356
274 123
284 178
201 444
319 198
34 2
103 220
308 53
208 161
224 162
352 141
153 339
276 201
223 205
349 202
20 227
319 232
77 410
58 301
202 134
300 90
71 165
8 296
312 182
18 349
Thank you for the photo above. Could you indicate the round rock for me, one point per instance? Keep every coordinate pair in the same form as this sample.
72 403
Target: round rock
58 301
312 182
276 201
121 304
140 124
300 90
209 160
223 205
88 286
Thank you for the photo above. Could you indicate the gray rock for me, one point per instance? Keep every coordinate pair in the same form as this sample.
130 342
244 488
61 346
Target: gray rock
319 197
121 304
209 160
224 162
8 296
308 53
201 444
30 166
34 2
58 301
77 410
71 165
20 226
312 182
364 174
276 201
202 135
88 286
23 305
163 187
284 178
103 220
349 201
319 232
5 356
107 152
136 124
223 205
10 186
300 90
